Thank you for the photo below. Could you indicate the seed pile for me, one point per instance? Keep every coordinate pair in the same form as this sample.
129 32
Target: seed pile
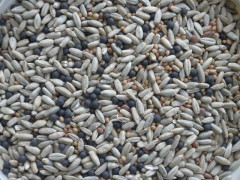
122 89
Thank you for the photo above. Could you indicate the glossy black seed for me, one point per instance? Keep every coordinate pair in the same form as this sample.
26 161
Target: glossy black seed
222 36
91 172
133 169
83 154
102 161
180 144
140 152
225 167
81 135
106 16
66 51
126 46
55 75
104 155
110 22
8 94
144 63
174 74
33 38
105 174
198 95
100 70
177 49
34 142
117 124
114 100
64 5
60 101
235 139
170 24
145 28
23 35
84 44
6 164
58 13
67 120
62 77
61 112
132 73
37 51
90 142
5 171
209 92
93 96
184 11
206 127
119 43
172 52
131 103
103 39
115 171
77 64
110 138
22 158
140 165
2 22
4 123
5 144
53 117
152 16
97 91
168 168
195 79
39 164
120 103
78 46
94 104
68 113
193 72
133 9
157 118
62 147
120 148
210 80
45 30
65 163
68 79
228 80
106 58
169 141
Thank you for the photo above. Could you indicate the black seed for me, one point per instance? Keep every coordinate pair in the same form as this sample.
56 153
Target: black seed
225 167
77 64
140 153
210 80
62 147
37 51
1 41
133 169
53 117
22 158
67 120
110 22
68 113
119 43
120 103
90 142
45 30
110 138
206 127
78 46
65 51
105 174
81 135
133 9
100 70
193 72
170 24
91 172
23 35
84 44
120 148
145 28
152 16
58 13
131 103
8 95
180 144
5 144
55 75
102 161
62 77
132 73
184 11
2 22
103 39
209 92
34 142
115 171
6 164
157 118
177 49
61 112
83 154
65 163
60 101
106 58
228 80
117 125
168 168
161 34
68 79
144 63
126 46
106 16
33 38
93 96
198 95
172 52
13 6
174 74
114 100
39 164
97 91
140 165
4 122
5 171
64 5
235 139
169 141
222 36
94 104
228 46
105 65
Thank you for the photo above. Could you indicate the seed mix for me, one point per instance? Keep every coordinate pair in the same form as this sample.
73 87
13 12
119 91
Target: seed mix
124 89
